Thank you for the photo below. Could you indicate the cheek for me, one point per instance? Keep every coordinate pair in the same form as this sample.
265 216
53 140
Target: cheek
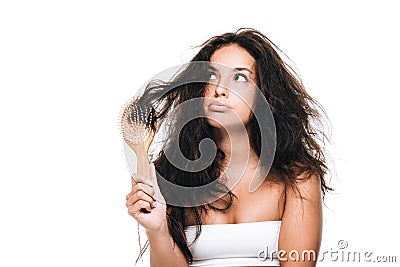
245 103
244 113
208 91
242 110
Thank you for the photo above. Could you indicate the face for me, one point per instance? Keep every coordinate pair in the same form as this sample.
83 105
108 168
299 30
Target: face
231 90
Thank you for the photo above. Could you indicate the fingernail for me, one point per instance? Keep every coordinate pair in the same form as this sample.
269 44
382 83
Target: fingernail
149 182
154 204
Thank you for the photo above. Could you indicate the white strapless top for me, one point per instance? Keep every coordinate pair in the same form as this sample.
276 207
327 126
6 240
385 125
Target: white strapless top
241 244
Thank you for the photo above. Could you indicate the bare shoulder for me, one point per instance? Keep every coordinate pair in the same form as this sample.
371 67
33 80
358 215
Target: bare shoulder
307 188
301 227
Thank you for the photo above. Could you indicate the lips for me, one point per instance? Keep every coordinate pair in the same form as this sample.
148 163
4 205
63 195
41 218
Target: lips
218 106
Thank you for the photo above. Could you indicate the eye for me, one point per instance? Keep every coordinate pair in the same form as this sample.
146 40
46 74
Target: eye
240 78
212 76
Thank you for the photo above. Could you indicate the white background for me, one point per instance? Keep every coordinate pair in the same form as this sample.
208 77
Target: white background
66 68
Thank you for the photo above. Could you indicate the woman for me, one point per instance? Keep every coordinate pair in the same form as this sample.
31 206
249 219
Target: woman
279 221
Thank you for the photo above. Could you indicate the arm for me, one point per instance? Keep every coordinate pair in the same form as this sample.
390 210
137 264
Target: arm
151 214
301 229
163 250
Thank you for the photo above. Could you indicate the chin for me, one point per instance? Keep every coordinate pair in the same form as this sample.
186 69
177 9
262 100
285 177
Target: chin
215 124
226 120
227 125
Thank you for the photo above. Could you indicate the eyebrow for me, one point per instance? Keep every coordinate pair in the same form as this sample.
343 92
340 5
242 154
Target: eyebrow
241 69
236 69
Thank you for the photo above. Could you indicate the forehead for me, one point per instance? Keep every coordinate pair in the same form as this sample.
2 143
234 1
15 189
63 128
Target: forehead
233 56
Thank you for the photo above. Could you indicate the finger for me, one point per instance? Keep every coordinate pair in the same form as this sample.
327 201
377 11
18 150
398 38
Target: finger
138 207
140 195
146 188
133 181
141 187
134 189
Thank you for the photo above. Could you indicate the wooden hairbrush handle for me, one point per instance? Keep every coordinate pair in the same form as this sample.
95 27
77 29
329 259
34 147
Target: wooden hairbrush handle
137 124
143 164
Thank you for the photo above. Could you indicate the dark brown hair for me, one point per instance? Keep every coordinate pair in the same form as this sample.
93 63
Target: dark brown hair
298 119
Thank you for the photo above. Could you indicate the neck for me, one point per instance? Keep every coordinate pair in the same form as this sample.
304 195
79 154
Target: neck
236 146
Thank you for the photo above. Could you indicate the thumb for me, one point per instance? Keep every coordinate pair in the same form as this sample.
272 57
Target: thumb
153 179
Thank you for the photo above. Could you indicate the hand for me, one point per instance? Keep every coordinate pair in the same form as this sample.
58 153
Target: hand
145 202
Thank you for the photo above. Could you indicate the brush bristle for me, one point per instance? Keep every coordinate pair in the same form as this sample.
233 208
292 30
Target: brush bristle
136 121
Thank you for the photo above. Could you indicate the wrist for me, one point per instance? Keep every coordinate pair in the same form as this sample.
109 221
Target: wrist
162 230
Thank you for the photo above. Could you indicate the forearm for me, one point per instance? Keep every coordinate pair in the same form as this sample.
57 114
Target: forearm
161 251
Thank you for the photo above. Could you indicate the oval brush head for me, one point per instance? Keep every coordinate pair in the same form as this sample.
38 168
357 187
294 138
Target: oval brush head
137 126
136 121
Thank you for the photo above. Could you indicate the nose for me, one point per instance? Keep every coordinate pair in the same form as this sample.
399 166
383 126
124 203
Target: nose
221 90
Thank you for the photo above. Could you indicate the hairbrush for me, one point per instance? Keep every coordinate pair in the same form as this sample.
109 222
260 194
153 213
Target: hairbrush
137 126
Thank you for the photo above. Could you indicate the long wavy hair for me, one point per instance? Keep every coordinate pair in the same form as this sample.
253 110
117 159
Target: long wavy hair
299 122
